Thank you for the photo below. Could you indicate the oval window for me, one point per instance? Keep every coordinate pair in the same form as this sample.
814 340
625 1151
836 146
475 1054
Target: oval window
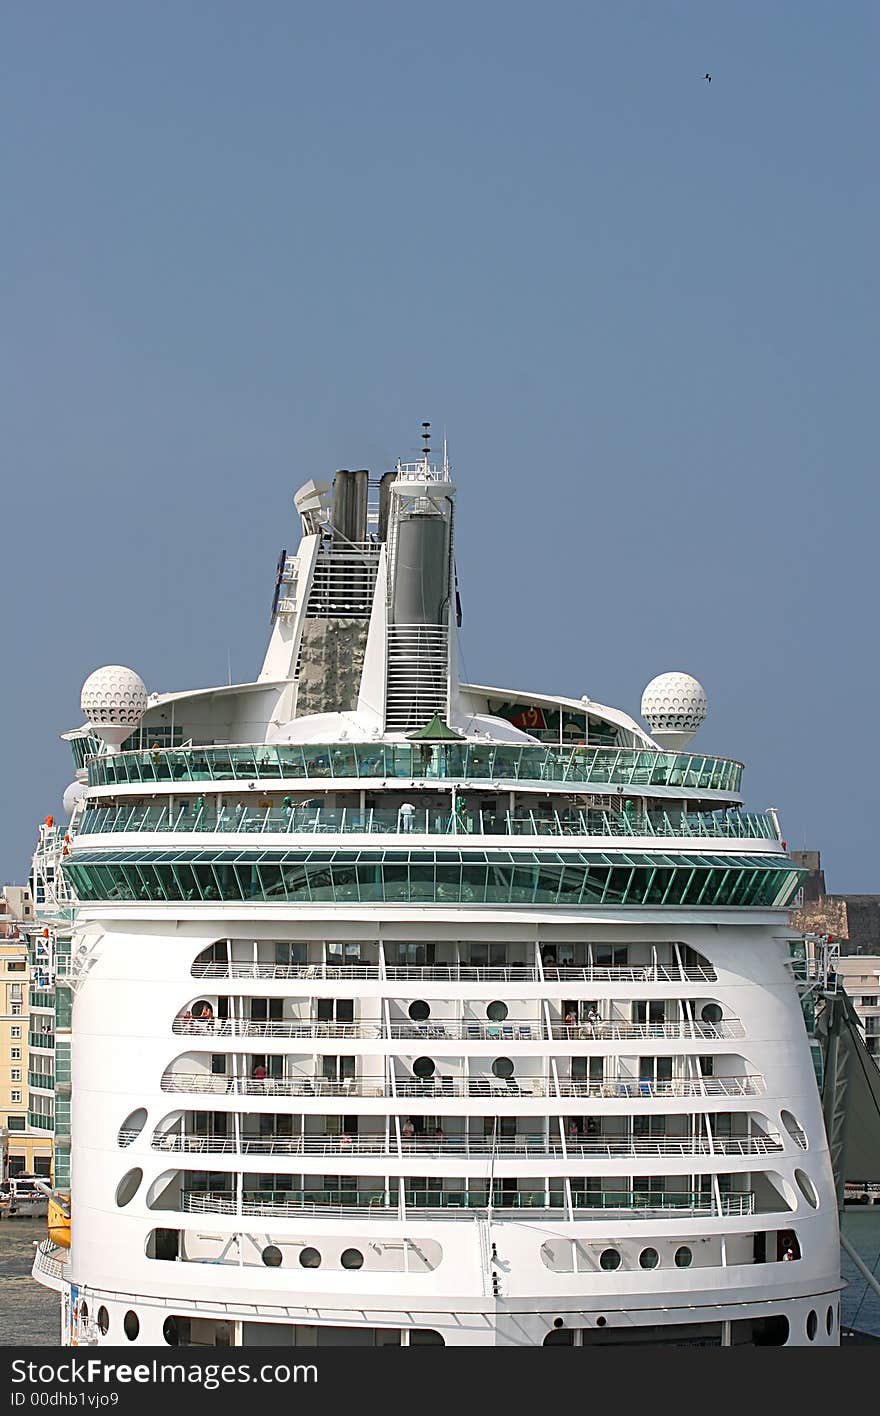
812 1324
609 1259
310 1258
131 1325
496 1012
128 1186
807 1188
683 1257
352 1259
170 1331
423 1067
829 1321
104 1321
502 1067
271 1256
132 1126
649 1259
419 1010
794 1129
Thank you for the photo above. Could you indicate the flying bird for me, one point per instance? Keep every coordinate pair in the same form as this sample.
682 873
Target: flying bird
708 78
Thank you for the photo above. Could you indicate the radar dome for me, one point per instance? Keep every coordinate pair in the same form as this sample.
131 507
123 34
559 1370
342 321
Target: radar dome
114 700
72 795
674 705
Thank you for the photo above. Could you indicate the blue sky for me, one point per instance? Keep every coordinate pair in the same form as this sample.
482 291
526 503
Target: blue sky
242 246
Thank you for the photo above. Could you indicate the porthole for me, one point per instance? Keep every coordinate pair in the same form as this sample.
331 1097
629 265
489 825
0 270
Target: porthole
424 1067
170 1331
711 1013
131 1325
271 1256
502 1067
829 1321
310 1258
419 1010
128 1186
649 1259
807 1188
600 1322
103 1321
132 1126
812 1324
352 1259
609 1260
794 1129
496 1012
683 1257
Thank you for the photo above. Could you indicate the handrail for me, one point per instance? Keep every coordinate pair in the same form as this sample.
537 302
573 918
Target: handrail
633 1204
454 1029
249 820
460 973
435 1090
482 762
594 1148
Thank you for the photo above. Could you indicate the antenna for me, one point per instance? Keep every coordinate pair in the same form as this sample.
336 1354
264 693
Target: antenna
426 439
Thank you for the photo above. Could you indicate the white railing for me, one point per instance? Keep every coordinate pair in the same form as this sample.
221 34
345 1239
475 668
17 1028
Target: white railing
48 1265
642 1208
434 1089
463 1148
458 973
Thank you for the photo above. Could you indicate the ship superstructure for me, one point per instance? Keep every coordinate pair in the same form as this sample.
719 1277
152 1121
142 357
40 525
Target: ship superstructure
409 1011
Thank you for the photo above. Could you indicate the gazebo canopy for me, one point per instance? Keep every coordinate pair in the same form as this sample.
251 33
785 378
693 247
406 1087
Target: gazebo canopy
435 731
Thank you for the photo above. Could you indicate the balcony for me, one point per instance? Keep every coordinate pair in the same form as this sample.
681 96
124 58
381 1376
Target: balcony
353 1204
41 1039
408 820
482 763
49 1267
617 1088
464 1148
457 973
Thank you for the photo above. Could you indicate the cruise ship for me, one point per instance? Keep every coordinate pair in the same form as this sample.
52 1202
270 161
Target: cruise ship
411 1012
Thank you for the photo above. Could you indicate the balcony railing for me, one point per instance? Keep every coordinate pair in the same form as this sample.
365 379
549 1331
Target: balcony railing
294 820
460 973
435 1089
455 1029
353 1204
50 1263
481 762
41 1039
43 1081
530 1148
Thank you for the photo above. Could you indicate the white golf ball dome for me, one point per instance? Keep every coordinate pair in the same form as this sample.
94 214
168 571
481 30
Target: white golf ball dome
674 702
72 795
114 694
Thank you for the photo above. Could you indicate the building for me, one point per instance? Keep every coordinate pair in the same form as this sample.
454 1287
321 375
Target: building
24 1030
860 976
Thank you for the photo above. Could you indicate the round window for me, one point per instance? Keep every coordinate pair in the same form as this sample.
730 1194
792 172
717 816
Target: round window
310 1258
794 1129
683 1257
128 1186
103 1321
496 1012
502 1067
131 1325
812 1324
423 1067
711 1013
419 1010
132 1126
202 1008
271 1256
807 1188
352 1259
170 1331
609 1259
649 1259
